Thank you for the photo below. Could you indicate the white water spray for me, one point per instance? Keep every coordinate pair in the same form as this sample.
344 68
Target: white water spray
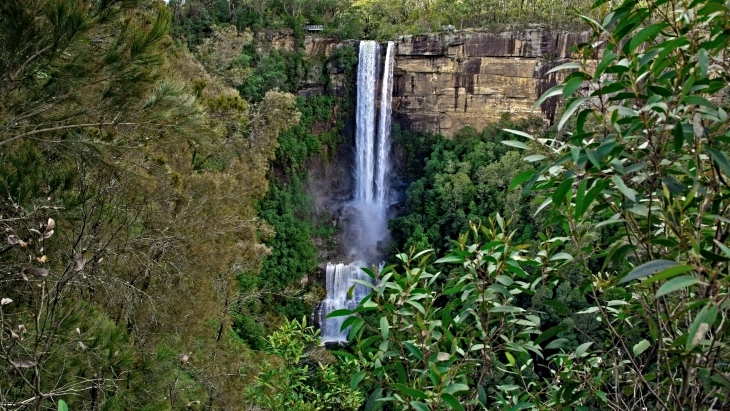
372 167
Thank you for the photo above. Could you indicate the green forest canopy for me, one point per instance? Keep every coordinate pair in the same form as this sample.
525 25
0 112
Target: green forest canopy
377 19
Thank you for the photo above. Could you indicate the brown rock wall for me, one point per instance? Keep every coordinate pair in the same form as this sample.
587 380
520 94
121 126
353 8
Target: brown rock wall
447 81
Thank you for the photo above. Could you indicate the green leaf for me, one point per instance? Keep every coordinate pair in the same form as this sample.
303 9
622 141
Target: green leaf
582 349
365 283
344 354
62 406
645 34
367 342
562 256
520 178
544 204
519 133
481 395
506 309
453 290
339 313
411 392
550 333
699 101
384 327
528 187
417 306
356 379
640 347
570 109
608 58
720 159
676 284
534 157
591 195
628 192
668 273
723 248
508 387
697 330
617 254
453 258
415 351
566 66
678 134
510 359
401 371
456 388
713 257
356 326
452 402
647 269
419 406
554 91
572 85
373 399
558 343
703 61
517 144
561 191
580 197
522 406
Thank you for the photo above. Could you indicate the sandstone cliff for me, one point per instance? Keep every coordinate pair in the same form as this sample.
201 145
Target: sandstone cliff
444 82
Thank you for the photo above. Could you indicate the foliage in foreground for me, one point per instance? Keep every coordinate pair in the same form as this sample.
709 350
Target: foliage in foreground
641 192
302 375
123 213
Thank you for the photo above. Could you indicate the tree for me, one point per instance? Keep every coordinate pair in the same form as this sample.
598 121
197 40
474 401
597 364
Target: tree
445 339
125 215
70 66
286 381
649 161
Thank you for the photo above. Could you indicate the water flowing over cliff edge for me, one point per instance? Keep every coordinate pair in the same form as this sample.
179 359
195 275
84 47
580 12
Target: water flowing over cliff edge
367 231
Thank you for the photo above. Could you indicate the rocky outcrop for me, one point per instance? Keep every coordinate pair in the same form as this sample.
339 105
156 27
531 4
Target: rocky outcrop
446 81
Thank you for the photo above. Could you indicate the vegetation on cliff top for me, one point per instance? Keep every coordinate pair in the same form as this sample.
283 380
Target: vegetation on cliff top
375 19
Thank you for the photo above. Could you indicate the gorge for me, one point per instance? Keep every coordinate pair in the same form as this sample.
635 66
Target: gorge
437 83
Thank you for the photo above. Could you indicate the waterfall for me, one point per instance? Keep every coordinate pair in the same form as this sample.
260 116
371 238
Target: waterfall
342 292
367 70
370 199
383 149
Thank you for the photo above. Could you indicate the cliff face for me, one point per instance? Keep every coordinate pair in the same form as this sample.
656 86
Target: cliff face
444 82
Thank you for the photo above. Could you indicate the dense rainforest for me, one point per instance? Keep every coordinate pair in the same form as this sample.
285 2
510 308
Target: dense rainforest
159 237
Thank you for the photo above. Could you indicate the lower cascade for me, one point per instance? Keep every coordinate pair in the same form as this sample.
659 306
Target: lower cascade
371 197
342 292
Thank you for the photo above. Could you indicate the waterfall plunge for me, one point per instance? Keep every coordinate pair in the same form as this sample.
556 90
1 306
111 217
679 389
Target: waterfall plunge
372 148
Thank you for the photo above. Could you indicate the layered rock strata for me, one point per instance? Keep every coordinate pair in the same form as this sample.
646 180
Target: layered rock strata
446 81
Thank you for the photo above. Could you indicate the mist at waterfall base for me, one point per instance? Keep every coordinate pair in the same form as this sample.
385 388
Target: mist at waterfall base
367 231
